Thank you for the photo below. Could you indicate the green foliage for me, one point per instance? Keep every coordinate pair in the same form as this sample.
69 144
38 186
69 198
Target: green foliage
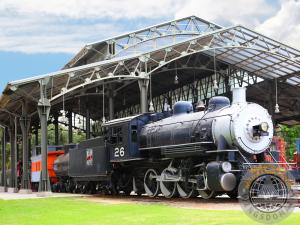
290 134
97 128
79 211
78 135
7 151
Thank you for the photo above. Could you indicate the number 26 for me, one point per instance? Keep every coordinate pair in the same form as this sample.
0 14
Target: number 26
119 152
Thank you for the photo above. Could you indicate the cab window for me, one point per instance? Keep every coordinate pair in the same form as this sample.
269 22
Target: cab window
133 133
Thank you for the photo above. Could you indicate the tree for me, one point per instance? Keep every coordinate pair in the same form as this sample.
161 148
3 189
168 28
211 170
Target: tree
290 135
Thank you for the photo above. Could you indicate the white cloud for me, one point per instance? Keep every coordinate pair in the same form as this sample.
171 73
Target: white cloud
114 9
246 12
65 26
33 26
38 35
285 25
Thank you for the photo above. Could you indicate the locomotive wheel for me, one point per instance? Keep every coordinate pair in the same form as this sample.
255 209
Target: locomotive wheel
186 190
168 188
151 185
207 194
70 187
83 189
77 189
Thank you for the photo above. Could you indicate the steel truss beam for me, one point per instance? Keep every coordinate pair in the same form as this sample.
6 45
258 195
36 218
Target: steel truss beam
188 26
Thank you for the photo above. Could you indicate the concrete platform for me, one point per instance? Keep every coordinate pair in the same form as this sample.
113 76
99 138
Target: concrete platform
36 195
12 190
25 191
3 189
45 194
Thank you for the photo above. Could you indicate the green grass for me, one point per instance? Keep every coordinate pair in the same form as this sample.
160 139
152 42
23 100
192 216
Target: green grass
56 211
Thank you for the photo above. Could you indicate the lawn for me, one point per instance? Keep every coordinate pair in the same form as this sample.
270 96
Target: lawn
56 211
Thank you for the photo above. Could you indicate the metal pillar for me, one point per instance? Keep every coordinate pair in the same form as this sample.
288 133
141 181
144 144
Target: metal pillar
18 151
25 125
13 152
88 123
111 103
271 102
36 140
44 110
70 127
36 134
3 177
143 85
29 145
56 130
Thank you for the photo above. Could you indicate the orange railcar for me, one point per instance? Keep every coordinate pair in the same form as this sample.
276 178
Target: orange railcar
52 156
36 167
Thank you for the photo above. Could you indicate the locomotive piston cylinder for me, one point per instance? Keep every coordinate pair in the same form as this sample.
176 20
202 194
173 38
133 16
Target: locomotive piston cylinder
217 179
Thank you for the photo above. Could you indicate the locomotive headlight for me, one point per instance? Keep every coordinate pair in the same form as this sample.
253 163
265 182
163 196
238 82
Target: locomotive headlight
226 167
264 126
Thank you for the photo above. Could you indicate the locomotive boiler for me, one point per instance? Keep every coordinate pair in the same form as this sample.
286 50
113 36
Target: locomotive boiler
182 152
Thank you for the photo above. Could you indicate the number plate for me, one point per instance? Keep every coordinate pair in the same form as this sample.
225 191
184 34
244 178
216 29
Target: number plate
119 152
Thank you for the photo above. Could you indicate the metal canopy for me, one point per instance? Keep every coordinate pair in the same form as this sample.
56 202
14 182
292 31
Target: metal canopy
236 46
143 40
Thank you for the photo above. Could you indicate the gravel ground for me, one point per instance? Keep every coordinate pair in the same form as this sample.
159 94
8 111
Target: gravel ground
220 203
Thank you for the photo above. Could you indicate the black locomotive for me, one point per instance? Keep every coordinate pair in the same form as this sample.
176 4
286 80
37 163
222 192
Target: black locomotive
182 152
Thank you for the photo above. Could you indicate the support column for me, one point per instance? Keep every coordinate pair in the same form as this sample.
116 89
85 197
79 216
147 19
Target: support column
25 125
88 123
44 110
36 136
29 145
3 169
143 84
271 102
70 127
36 140
111 103
18 152
13 153
56 130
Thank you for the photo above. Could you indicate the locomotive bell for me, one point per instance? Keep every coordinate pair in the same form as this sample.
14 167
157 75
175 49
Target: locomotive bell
200 106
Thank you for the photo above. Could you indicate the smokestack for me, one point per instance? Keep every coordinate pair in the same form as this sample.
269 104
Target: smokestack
239 95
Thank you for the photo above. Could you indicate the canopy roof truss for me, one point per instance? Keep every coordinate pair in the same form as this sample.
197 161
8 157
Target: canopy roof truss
149 38
237 46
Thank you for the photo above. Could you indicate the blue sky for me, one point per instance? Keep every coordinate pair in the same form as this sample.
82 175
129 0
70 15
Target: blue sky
37 37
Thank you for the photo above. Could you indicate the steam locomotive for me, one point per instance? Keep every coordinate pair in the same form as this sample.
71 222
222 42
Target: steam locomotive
183 153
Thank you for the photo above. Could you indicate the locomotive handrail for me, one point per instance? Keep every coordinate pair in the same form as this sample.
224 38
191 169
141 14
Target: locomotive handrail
225 150
177 145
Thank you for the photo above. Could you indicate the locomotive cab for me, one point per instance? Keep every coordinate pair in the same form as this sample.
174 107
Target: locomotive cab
122 137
